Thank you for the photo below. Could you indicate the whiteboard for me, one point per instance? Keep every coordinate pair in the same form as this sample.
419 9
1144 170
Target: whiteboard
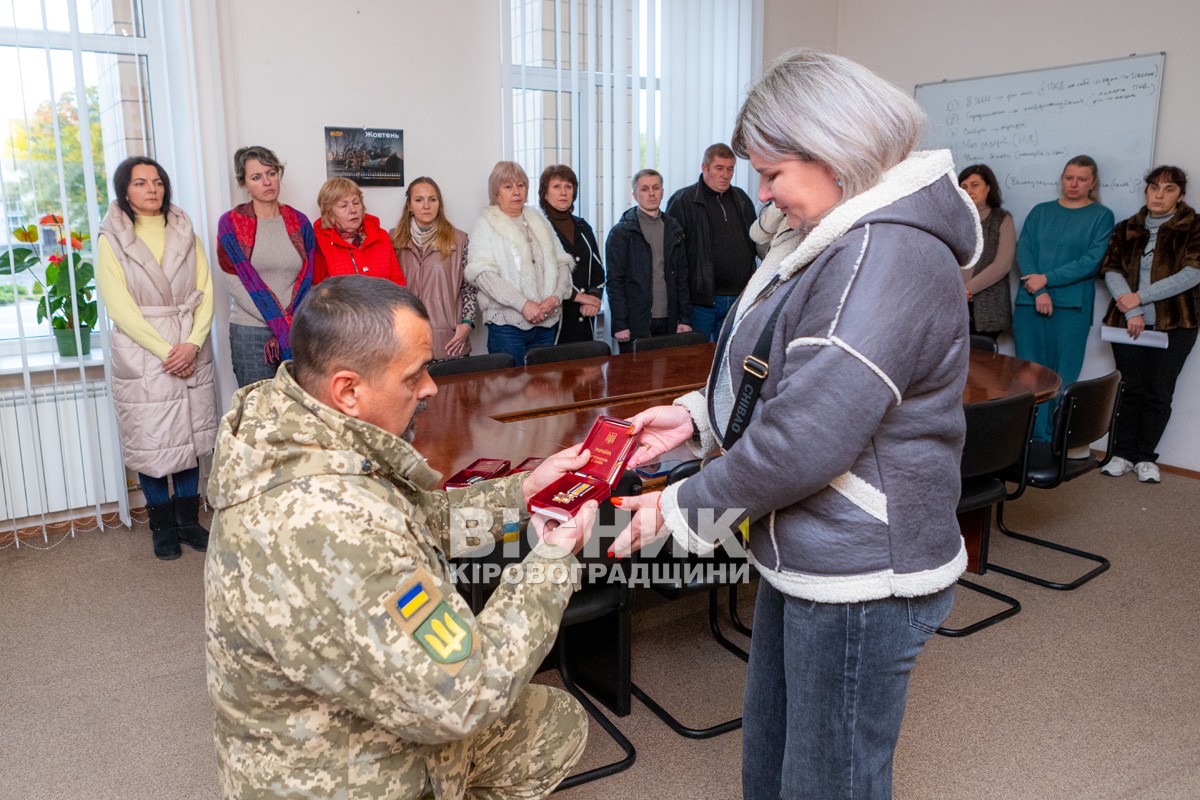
1026 125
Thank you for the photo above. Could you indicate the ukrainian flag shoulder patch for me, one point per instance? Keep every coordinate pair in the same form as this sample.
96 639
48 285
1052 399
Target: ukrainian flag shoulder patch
422 612
415 600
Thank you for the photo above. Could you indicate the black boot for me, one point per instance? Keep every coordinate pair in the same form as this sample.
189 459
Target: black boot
187 522
166 535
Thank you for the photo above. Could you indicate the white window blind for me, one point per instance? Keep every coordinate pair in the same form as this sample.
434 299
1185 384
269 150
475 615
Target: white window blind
611 86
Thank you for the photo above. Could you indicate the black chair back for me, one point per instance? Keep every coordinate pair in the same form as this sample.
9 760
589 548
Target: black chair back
459 366
567 352
1087 411
670 340
997 434
685 470
981 342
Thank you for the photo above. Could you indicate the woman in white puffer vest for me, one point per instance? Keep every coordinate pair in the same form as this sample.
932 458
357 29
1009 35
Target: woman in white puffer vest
157 289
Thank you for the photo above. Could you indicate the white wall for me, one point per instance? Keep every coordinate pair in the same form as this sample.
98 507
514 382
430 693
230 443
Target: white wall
294 66
799 23
291 67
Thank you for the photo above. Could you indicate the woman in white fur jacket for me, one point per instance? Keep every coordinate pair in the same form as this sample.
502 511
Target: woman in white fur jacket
519 267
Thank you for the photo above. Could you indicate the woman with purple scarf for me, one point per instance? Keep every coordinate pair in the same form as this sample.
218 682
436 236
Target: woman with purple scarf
281 242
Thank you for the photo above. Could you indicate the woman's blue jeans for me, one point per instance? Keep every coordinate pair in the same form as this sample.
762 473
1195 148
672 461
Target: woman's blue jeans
826 691
517 341
157 492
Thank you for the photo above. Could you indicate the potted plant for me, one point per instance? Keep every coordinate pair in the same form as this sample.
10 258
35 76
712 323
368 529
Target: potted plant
66 283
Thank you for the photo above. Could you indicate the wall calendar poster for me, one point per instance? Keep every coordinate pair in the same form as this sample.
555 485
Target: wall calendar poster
367 156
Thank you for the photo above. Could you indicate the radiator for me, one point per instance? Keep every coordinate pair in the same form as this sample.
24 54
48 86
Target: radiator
58 449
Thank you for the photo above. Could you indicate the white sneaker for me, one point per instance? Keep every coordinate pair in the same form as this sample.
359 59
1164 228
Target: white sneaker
1079 453
1117 466
1147 472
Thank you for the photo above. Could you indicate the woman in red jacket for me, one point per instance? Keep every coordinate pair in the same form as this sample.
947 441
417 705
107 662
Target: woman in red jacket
349 240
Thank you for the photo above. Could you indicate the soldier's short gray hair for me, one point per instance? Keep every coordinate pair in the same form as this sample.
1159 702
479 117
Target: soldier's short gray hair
348 322
825 108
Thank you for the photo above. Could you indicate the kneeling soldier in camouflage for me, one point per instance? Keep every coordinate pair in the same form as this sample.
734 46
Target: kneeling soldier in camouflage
341 661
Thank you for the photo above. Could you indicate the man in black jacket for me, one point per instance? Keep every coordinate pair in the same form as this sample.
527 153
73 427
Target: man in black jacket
716 219
647 268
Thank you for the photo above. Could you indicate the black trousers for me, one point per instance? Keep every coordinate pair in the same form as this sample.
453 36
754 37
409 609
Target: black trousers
1149 374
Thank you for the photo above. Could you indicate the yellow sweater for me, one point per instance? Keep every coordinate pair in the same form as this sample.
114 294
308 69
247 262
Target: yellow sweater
110 280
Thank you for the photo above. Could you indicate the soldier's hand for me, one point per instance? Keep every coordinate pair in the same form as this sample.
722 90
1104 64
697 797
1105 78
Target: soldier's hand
571 535
553 468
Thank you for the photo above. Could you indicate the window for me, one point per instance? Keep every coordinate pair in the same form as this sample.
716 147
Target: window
76 100
612 86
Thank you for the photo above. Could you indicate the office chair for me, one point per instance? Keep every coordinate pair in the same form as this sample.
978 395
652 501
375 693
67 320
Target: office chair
459 366
674 589
670 340
599 615
1086 412
567 352
998 434
981 342
594 647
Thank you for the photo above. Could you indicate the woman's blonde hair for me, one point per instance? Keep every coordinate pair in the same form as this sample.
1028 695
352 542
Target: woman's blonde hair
444 235
825 108
332 191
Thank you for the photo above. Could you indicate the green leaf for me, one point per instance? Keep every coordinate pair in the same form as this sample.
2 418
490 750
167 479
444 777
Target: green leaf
62 285
22 259
52 271
42 309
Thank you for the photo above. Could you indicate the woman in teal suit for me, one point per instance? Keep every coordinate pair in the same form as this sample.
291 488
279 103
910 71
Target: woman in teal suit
1059 255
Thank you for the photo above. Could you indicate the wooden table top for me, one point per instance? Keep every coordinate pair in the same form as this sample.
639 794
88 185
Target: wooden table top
539 410
992 376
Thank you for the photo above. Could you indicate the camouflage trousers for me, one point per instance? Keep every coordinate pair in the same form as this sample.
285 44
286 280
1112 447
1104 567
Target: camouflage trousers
521 756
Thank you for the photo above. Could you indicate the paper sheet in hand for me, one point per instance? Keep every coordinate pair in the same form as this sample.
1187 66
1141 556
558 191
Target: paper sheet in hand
1109 333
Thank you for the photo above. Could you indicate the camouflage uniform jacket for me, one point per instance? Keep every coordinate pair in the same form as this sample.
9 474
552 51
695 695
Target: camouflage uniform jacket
341 661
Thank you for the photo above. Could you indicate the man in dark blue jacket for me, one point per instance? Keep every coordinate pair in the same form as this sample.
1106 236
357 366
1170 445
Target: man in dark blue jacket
647 268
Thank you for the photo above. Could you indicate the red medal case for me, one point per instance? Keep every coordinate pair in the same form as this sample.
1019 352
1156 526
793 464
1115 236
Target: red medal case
610 442
528 465
480 470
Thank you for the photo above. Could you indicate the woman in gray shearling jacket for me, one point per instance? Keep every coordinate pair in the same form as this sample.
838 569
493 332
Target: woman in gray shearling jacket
849 467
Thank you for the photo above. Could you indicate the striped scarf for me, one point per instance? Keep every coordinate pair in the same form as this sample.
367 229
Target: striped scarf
235 239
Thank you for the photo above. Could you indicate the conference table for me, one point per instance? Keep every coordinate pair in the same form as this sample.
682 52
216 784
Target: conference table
538 410
521 412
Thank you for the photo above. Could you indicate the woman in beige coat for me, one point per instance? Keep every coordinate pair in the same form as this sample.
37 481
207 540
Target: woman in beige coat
432 254
154 278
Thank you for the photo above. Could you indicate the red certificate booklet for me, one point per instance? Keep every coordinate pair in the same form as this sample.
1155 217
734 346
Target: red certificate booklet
480 470
610 441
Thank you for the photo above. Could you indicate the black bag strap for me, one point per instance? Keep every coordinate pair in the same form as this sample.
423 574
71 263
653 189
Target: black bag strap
754 372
